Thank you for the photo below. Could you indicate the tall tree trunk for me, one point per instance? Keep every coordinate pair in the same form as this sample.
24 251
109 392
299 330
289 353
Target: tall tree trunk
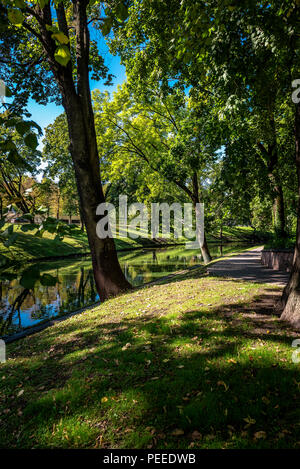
81 219
270 158
109 277
76 98
202 240
291 294
278 212
58 202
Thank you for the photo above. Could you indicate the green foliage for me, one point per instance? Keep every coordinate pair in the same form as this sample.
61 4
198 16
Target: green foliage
62 55
243 56
169 137
280 243
30 276
15 17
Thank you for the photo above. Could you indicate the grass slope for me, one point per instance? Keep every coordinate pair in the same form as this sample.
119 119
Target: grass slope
28 247
198 362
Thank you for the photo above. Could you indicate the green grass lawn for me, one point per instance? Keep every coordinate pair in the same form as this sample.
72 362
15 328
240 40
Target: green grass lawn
238 233
28 247
195 362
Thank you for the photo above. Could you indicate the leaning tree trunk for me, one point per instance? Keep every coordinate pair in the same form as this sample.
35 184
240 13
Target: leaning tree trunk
291 294
201 239
109 277
76 98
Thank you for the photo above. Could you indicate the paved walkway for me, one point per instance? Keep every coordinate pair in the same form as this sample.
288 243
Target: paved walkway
247 266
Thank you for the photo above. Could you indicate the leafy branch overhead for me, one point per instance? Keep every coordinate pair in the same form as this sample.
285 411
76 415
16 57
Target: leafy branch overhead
104 15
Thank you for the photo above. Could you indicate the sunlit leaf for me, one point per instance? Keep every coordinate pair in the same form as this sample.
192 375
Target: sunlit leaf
60 37
62 55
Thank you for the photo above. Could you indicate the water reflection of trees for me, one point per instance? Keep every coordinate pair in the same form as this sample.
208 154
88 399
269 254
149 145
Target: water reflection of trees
22 307
76 287
13 310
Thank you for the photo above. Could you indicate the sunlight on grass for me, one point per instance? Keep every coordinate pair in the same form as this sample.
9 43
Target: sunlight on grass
184 364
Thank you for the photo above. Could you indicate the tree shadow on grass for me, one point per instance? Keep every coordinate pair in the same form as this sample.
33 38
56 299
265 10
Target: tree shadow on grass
46 247
209 379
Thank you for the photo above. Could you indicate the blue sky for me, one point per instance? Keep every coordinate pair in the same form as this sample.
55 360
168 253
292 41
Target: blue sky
45 115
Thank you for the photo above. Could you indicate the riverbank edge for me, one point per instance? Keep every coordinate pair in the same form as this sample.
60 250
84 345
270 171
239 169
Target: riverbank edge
51 322
87 254
34 260
149 245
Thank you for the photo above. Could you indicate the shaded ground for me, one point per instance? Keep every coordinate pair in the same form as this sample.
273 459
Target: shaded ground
247 266
197 362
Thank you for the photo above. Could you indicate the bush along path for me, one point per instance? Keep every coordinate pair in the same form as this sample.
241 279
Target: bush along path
195 362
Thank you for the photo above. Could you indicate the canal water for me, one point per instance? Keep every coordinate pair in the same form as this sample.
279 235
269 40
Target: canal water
75 288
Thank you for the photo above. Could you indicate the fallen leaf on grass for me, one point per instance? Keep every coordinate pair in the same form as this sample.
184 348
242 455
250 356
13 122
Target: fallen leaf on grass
221 383
196 435
126 346
249 421
177 432
260 435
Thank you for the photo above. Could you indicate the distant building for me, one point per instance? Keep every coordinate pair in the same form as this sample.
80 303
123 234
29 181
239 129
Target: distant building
70 219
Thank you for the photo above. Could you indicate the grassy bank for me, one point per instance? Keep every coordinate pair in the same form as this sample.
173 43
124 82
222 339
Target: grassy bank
197 362
28 247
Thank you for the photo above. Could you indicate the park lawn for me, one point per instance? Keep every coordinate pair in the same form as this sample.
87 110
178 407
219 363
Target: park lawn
238 233
194 362
28 247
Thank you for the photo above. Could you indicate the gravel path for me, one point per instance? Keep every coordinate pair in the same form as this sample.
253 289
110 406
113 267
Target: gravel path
247 266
